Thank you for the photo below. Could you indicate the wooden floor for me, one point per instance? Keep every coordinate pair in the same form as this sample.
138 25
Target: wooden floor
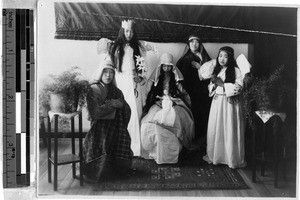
264 187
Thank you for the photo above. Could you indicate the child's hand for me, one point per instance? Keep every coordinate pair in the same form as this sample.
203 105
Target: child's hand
115 103
159 97
138 79
159 103
213 78
196 65
218 81
175 100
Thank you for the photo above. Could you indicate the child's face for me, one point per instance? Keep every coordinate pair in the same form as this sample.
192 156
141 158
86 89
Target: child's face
194 45
128 34
167 68
107 76
223 58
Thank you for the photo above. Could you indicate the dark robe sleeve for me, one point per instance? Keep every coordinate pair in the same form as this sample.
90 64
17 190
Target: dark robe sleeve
97 108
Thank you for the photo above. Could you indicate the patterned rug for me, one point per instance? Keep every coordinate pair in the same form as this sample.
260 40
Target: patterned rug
190 174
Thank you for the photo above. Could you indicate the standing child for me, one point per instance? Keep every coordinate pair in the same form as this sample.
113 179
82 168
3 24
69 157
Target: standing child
226 124
125 52
196 86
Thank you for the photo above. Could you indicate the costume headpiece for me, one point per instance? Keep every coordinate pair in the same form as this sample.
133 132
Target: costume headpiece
165 59
127 24
106 63
194 37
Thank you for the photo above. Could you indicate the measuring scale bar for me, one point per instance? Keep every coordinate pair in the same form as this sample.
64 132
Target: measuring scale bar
17 56
9 90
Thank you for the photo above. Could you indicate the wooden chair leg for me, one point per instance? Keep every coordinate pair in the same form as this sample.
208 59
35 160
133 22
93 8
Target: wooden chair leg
80 149
276 174
55 178
263 151
284 149
81 174
276 160
284 161
253 158
43 133
276 148
49 150
55 152
73 147
49 171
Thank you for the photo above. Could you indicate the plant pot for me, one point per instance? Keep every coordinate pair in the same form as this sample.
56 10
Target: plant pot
271 101
62 103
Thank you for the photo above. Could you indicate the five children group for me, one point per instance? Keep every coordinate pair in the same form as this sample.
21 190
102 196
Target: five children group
191 105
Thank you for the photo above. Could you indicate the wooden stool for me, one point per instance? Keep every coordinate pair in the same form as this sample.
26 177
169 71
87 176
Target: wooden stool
277 149
72 158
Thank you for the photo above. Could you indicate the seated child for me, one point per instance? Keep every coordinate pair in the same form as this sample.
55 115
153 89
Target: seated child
106 147
168 123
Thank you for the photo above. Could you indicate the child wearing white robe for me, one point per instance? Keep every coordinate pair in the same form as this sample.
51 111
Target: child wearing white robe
226 124
168 123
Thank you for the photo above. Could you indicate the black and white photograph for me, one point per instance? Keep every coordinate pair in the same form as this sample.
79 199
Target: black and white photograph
166 99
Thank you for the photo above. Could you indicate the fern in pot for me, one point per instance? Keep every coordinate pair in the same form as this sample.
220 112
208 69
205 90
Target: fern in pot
265 94
65 93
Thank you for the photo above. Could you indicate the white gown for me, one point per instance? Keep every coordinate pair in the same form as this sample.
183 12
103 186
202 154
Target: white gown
164 143
127 85
226 124
165 130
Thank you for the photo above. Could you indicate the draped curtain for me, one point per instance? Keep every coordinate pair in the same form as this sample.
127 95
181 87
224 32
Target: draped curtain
172 23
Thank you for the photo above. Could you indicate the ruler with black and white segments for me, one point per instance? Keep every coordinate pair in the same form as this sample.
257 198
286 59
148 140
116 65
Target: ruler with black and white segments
18 95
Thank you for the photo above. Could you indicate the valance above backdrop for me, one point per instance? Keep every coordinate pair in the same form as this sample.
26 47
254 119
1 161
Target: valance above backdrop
172 23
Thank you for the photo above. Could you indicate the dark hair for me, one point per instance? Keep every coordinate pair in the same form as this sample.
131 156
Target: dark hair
173 90
231 64
119 45
158 90
200 49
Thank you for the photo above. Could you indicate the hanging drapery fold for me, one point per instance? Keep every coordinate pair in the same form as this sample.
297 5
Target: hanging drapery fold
173 23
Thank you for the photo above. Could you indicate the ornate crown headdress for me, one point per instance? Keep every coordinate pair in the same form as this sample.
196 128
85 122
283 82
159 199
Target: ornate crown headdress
127 24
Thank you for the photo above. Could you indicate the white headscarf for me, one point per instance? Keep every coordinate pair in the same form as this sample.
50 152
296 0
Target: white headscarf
105 64
166 59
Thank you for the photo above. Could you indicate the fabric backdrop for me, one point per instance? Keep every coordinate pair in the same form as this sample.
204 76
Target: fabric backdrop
171 23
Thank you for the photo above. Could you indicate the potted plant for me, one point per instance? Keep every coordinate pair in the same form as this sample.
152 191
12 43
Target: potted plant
64 93
265 94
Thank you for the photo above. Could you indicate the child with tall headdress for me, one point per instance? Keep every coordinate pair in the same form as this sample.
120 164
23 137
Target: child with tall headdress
126 52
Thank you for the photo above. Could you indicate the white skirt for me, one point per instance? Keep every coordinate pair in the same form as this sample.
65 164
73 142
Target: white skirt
127 85
225 133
